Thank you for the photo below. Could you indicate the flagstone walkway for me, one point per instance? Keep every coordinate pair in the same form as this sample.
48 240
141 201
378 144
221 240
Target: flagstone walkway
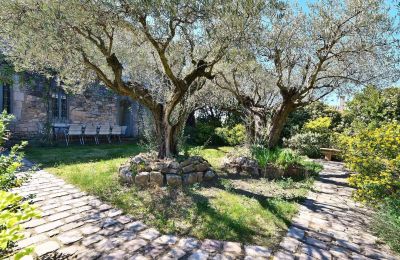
75 225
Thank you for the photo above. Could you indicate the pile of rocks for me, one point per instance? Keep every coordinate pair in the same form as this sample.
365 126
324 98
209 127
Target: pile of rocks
241 167
245 167
146 170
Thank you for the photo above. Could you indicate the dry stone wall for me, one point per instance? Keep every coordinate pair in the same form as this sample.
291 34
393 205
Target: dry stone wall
145 170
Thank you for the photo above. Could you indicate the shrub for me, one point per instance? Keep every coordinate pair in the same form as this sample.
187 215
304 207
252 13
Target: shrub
315 135
203 133
9 163
308 143
232 136
375 157
12 209
12 212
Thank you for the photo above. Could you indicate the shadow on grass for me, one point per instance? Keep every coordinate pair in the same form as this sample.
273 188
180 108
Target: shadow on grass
52 156
220 226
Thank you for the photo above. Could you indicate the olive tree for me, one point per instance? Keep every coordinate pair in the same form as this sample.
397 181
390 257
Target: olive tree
304 55
157 52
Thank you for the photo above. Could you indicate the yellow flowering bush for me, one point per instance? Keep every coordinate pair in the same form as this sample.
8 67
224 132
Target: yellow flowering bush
374 156
319 125
233 136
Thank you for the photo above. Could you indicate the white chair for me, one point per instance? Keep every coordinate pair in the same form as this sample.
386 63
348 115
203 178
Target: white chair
116 131
105 130
73 130
123 129
91 130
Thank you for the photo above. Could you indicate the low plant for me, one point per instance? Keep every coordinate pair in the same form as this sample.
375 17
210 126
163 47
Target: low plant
287 158
264 156
227 184
283 158
386 223
12 212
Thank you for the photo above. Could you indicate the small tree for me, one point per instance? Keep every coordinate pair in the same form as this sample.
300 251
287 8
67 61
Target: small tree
159 53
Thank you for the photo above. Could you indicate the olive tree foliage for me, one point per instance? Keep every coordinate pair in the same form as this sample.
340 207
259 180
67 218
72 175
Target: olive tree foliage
335 45
160 53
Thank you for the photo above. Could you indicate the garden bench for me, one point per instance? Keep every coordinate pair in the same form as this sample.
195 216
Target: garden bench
329 152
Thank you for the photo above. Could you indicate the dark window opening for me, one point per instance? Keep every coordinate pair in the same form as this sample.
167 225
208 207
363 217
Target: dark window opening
59 106
6 102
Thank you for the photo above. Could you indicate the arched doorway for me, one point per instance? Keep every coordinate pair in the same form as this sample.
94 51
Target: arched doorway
125 114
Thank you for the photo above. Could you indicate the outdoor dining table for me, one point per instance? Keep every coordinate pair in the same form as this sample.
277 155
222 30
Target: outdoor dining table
58 128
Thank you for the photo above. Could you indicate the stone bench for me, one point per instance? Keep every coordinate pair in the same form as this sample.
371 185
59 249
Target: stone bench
329 152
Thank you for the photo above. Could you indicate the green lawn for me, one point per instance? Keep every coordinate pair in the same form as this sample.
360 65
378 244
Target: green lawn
250 211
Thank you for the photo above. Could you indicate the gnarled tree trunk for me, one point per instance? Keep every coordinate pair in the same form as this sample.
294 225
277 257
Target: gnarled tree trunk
278 122
167 134
255 126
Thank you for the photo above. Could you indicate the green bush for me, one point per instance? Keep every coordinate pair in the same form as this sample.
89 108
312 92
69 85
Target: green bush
375 157
298 118
203 133
12 212
12 209
320 125
10 162
232 136
264 156
317 133
372 106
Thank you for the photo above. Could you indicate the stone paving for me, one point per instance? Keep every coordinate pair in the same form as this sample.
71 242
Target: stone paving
75 225
330 225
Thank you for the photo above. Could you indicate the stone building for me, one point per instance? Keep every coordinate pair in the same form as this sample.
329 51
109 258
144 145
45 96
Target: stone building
39 102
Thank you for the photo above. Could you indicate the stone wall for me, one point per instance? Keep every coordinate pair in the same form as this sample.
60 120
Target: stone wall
93 108
96 105
146 170
29 111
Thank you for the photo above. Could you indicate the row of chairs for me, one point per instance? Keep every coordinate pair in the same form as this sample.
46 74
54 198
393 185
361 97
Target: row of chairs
93 131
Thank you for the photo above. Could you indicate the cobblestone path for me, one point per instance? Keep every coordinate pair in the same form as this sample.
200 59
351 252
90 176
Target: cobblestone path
330 225
75 225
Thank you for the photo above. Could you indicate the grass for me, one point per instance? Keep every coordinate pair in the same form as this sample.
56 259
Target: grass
250 211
